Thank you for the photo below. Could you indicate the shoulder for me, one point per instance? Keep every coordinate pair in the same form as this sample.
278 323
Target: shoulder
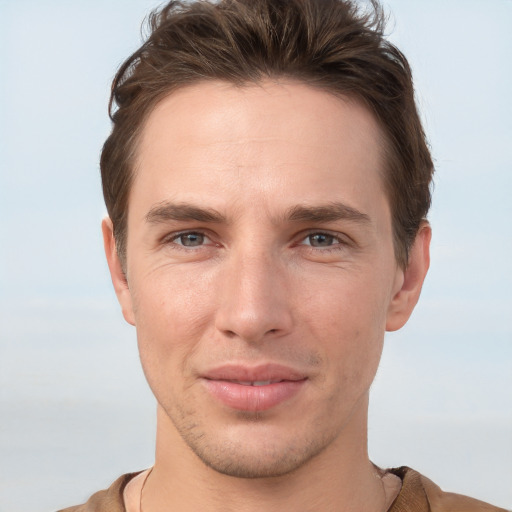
108 500
419 494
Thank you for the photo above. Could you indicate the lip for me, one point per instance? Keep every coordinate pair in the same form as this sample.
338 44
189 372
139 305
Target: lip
275 384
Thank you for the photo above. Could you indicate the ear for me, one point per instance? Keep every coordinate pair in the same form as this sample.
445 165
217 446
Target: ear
409 287
116 271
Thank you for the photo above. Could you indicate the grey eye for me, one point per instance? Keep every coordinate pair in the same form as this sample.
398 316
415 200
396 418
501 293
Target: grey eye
191 239
320 240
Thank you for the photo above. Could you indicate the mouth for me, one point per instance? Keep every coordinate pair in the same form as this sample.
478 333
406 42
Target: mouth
255 389
255 383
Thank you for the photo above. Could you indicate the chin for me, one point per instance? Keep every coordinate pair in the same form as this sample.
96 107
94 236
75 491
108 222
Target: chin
232 462
254 450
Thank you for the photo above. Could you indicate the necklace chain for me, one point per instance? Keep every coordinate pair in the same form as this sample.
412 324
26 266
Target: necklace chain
142 489
388 499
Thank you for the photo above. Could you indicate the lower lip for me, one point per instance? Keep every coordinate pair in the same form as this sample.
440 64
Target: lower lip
253 398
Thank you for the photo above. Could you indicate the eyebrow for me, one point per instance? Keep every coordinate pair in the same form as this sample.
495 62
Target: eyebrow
166 211
327 213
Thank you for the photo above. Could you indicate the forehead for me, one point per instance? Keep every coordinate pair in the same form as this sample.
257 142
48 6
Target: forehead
213 140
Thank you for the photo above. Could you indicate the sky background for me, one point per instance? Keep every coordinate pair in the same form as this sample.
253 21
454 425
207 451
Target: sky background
75 411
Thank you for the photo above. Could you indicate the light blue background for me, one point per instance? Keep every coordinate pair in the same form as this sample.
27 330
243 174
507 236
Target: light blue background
75 410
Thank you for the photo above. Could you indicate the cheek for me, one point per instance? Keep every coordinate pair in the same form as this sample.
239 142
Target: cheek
172 312
347 321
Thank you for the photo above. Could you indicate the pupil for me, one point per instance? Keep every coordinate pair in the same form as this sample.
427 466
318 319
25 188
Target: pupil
321 240
192 239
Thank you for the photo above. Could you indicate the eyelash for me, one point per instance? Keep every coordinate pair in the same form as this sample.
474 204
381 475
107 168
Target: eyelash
171 239
340 242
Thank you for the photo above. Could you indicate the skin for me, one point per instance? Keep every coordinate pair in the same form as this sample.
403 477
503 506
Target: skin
260 283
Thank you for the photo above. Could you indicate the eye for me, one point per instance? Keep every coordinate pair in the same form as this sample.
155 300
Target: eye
321 240
190 239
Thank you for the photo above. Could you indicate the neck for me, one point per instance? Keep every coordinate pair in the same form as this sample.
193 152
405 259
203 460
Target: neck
340 478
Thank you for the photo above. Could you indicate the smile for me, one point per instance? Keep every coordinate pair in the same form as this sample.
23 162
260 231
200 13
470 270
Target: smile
256 382
255 389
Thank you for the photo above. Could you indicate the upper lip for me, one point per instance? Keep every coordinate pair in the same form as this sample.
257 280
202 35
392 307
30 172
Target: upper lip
248 373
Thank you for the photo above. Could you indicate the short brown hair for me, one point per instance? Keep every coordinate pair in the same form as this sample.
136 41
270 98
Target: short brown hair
328 44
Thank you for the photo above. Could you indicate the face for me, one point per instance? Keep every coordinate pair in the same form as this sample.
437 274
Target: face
260 271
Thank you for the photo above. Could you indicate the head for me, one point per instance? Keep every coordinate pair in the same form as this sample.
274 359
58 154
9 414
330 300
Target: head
267 182
328 45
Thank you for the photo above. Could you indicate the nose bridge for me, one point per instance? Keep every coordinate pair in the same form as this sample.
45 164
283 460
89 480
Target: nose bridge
254 302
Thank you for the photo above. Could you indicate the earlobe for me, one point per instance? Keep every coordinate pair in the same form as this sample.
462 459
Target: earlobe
116 271
405 299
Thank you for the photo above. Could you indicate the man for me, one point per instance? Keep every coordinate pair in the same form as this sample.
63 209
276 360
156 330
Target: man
267 182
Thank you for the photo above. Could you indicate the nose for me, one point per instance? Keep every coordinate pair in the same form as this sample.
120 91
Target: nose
254 302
